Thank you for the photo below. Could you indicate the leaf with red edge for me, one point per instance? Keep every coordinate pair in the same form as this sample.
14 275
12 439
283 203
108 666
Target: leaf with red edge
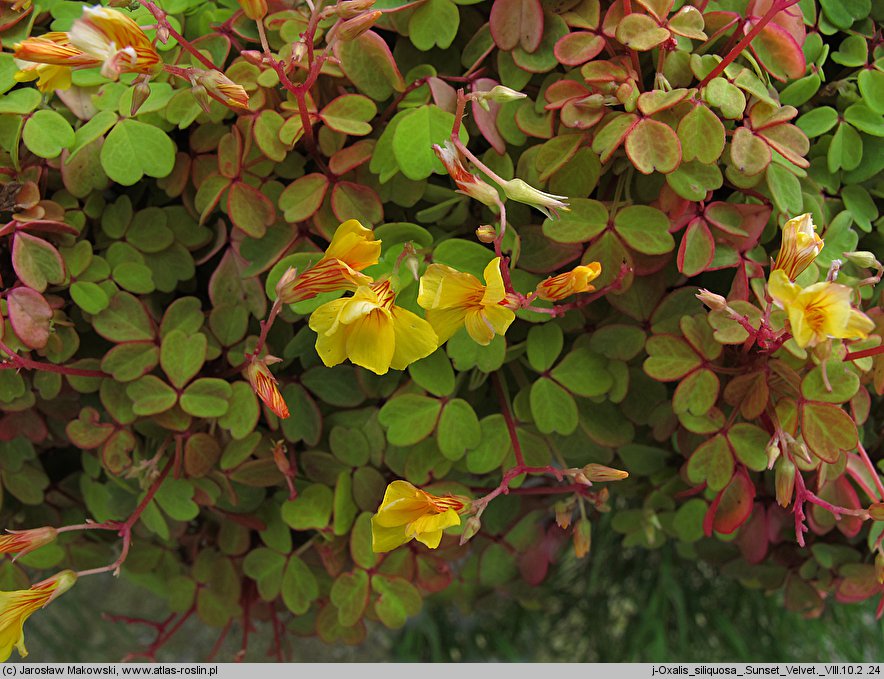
486 121
653 146
858 583
688 23
349 158
827 430
702 135
779 52
29 314
36 262
749 154
611 135
562 91
732 507
640 32
697 248
356 201
789 141
840 493
249 209
579 47
369 65
659 8
517 23
349 114
301 199
753 539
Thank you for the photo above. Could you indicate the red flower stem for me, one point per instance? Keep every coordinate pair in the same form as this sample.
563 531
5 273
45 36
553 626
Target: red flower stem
266 325
160 17
856 355
874 472
578 488
508 417
777 7
220 640
125 529
19 362
478 506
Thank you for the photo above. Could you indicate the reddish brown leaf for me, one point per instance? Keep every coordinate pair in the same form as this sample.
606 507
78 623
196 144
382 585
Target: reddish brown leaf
517 23
29 314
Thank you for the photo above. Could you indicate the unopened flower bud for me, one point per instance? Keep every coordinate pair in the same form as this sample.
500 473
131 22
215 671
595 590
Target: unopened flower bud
501 95
863 259
286 281
522 192
140 93
254 57
799 449
879 568
564 510
486 233
163 33
264 385
472 526
254 9
773 452
351 8
876 511
711 300
281 458
202 97
582 537
65 579
353 28
20 542
599 472
785 481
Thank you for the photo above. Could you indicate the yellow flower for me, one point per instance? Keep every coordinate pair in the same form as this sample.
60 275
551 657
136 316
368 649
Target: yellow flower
352 249
800 246
18 606
21 542
408 513
48 77
101 36
556 288
370 330
48 59
264 384
819 311
453 298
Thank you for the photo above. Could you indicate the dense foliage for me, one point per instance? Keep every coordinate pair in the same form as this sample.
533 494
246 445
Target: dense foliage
171 199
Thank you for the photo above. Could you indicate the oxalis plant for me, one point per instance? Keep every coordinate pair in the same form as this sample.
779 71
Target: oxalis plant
313 310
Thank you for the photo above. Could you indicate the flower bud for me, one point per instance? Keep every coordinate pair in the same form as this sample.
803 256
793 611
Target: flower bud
876 511
582 537
773 452
163 34
20 542
347 9
254 9
286 281
863 259
140 93
564 509
472 526
879 568
502 95
254 57
265 386
522 192
65 579
353 28
202 97
711 300
599 472
799 449
578 280
486 233
281 458
785 481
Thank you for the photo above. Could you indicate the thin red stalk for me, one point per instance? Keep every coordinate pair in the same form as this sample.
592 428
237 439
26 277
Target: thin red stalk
551 490
18 361
856 355
874 472
161 20
510 422
777 7
220 640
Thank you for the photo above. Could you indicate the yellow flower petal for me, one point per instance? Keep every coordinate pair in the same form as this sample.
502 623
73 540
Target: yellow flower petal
354 245
370 341
500 318
479 327
442 287
414 338
858 325
494 288
781 289
446 322
386 539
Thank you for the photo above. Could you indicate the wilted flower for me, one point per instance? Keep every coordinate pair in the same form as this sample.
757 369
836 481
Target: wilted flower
352 249
370 330
254 9
20 542
453 299
408 513
522 192
582 537
800 246
16 607
467 183
265 385
577 280
819 311
220 87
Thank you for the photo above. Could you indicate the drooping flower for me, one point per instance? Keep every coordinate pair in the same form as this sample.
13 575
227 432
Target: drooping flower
453 299
800 246
101 36
409 513
18 606
522 192
352 249
20 542
49 59
577 280
370 330
265 386
468 183
819 311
